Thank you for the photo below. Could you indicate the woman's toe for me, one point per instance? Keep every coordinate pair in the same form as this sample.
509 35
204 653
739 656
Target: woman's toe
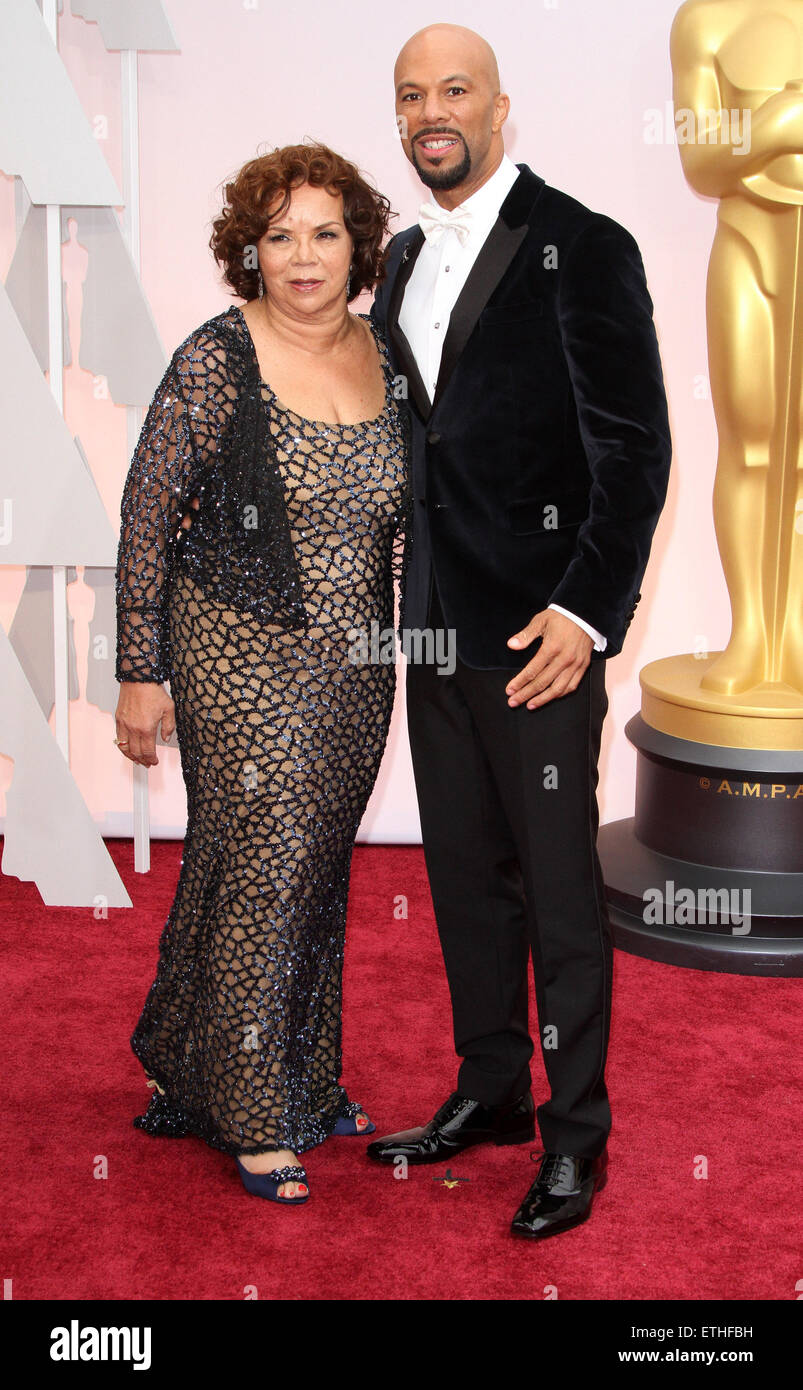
292 1189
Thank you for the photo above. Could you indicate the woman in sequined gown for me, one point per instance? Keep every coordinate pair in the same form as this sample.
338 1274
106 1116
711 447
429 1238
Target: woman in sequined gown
281 725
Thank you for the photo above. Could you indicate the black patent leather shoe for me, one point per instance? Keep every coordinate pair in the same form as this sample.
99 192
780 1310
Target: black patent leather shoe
561 1195
458 1125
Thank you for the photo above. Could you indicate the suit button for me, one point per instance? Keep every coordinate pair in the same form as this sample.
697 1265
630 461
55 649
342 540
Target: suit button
433 437
421 500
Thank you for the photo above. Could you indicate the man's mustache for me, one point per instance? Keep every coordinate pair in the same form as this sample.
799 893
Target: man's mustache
438 134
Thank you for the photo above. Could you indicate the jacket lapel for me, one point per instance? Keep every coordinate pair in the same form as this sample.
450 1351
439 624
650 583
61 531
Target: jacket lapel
498 250
402 352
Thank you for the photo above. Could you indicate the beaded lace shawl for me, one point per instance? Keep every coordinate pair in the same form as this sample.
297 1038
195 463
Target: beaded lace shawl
207 434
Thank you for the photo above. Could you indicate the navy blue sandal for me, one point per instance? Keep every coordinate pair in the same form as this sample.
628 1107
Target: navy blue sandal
268 1184
347 1123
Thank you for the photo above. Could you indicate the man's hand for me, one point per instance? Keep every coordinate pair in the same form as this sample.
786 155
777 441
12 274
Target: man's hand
142 706
559 664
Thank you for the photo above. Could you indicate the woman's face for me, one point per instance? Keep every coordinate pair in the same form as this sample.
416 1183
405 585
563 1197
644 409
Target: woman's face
305 254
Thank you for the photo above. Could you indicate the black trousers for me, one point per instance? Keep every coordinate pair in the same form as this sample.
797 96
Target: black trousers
509 819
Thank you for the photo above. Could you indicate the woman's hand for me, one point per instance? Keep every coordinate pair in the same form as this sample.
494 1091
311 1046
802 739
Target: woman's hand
142 706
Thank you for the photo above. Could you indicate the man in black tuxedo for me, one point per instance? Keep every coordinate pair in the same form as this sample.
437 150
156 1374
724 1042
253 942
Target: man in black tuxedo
541 451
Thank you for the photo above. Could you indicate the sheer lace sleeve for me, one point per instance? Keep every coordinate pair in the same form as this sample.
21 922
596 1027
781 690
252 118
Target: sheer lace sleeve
400 555
402 540
182 429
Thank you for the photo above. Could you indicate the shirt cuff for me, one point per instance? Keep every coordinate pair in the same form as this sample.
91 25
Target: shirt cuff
600 642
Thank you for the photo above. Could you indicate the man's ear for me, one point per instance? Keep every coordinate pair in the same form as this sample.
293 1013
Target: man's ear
501 112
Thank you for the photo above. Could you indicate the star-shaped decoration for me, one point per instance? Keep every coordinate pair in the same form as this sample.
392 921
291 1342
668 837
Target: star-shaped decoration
449 1180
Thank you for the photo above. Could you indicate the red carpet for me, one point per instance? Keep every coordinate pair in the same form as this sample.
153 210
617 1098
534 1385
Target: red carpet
700 1065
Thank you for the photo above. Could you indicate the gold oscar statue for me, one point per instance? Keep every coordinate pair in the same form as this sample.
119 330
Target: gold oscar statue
708 872
738 94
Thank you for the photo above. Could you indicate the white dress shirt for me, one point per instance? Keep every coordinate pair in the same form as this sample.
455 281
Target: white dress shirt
438 276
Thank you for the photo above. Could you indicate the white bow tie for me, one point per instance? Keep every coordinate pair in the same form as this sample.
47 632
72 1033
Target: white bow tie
434 221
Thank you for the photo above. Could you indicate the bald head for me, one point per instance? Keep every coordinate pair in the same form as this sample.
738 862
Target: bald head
455 43
450 110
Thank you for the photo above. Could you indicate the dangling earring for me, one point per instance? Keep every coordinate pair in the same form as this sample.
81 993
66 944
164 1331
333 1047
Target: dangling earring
348 282
260 286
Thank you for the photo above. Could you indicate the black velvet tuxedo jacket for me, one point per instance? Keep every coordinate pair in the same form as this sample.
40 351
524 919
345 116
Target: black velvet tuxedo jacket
541 468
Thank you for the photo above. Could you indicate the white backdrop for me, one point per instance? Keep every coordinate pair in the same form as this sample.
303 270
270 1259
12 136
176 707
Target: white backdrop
590 85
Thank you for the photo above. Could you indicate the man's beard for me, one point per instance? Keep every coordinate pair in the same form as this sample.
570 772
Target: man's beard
444 180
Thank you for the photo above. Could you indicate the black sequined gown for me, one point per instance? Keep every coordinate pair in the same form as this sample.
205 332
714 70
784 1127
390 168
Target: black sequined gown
281 735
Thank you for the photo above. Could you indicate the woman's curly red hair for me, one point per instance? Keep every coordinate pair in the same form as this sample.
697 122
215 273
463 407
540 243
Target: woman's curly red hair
244 217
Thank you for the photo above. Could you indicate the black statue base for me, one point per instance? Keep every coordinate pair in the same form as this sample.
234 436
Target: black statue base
709 872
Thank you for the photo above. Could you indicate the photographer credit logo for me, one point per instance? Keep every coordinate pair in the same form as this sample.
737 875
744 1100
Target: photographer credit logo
728 127
76 1343
683 907
424 645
